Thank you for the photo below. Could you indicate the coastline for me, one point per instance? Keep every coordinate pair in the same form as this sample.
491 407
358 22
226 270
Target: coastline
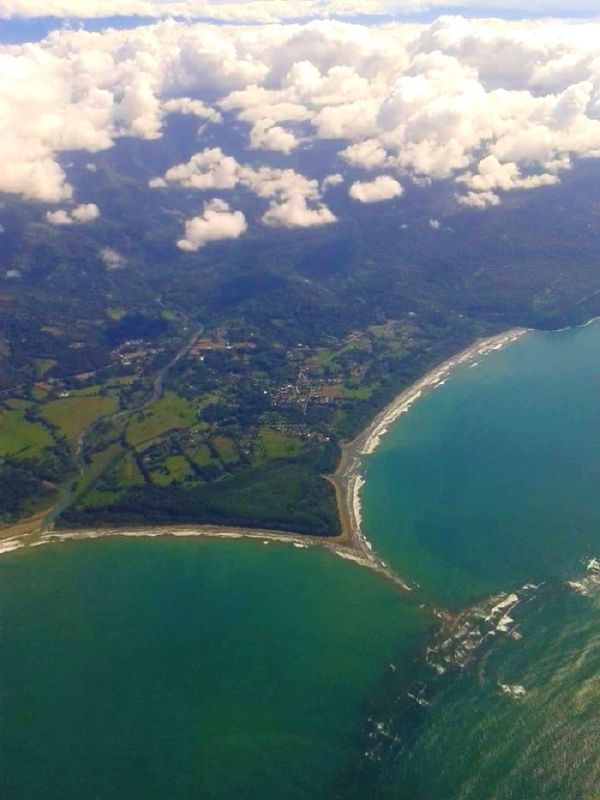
351 543
347 479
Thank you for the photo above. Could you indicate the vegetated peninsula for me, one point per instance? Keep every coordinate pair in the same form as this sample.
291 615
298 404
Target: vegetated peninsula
219 387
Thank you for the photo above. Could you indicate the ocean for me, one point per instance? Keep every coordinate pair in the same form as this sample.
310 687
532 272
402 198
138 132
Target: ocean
232 669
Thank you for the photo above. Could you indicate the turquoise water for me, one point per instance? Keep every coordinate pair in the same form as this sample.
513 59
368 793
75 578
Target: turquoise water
493 479
212 669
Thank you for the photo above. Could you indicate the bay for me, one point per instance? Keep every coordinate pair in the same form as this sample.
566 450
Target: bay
228 669
188 669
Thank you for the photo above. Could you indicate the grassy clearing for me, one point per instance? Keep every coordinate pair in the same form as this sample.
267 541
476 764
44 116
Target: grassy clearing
178 467
169 413
226 449
325 357
362 393
73 414
121 380
19 437
99 463
162 478
126 472
202 456
43 365
88 391
275 444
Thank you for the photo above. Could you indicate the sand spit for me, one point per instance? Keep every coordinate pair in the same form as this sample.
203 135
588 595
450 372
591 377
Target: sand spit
346 550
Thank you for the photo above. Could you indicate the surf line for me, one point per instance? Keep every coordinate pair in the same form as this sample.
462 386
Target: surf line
351 544
347 479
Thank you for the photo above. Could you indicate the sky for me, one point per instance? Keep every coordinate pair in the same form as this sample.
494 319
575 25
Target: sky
492 105
262 11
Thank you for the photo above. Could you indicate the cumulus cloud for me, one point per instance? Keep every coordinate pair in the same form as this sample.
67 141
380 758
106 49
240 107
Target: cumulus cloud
216 222
382 188
85 212
111 258
185 105
493 174
368 154
266 136
496 106
210 169
296 213
332 180
295 200
478 199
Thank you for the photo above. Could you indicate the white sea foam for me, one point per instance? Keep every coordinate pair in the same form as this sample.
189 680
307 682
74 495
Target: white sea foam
357 485
508 602
10 545
514 690
418 699
504 624
590 584
458 642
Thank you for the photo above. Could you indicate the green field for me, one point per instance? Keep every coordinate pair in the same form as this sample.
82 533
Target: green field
167 414
275 444
178 467
202 456
73 414
43 365
226 449
100 462
19 437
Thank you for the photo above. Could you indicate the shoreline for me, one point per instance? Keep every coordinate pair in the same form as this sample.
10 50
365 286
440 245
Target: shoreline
347 479
351 543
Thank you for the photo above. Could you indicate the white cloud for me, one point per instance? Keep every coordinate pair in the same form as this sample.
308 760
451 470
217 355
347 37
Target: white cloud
495 105
368 154
185 105
216 222
381 188
267 136
478 199
332 180
296 213
60 217
85 212
435 224
210 169
111 258
295 199
493 175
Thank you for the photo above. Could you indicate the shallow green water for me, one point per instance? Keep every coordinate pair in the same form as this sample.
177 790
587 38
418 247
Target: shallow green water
187 669
210 669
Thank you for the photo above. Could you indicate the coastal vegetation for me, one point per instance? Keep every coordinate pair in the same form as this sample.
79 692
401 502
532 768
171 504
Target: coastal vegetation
219 387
